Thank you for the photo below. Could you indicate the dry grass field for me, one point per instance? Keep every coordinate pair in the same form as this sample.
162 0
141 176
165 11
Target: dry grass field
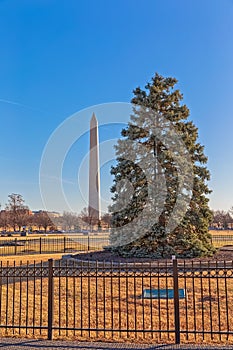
30 259
103 306
221 232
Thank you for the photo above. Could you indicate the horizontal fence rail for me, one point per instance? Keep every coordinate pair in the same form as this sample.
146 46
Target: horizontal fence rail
107 301
45 245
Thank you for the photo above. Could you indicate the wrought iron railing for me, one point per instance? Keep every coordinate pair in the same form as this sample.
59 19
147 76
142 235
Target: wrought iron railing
107 301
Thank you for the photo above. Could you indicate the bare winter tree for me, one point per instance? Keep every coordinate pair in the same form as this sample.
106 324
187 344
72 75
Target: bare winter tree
222 219
42 219
87 217
4 220
106 220
17 211
70 221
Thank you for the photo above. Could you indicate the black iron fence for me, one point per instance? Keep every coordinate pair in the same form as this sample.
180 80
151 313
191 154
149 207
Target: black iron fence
222 240
44 245
72 243
162 301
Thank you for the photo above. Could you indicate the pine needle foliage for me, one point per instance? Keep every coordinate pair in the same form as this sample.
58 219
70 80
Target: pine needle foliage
151 164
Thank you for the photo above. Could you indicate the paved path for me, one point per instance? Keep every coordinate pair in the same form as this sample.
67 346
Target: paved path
28 344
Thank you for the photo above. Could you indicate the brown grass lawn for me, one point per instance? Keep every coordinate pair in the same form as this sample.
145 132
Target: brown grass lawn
221 232
23 259
110 305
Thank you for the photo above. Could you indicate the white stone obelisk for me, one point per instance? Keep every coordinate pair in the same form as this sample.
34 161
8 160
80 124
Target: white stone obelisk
94 171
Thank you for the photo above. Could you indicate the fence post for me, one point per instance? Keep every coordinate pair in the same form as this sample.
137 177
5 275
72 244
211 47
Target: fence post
50 300
40 245
15 246
64 244
88 242
176 301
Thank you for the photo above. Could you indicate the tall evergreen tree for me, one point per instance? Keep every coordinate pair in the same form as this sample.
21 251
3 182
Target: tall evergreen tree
160 192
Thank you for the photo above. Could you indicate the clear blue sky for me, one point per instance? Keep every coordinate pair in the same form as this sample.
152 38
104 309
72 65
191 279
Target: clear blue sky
58 57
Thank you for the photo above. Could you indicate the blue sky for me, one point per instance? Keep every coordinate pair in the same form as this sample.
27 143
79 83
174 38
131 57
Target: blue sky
58 57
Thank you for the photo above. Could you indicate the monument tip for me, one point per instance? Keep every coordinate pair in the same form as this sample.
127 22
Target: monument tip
93 118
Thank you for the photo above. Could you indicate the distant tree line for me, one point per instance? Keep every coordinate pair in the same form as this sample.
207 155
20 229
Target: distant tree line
16 216
222 219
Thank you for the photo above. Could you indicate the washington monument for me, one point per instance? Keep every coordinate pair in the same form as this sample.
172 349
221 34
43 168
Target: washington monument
94 209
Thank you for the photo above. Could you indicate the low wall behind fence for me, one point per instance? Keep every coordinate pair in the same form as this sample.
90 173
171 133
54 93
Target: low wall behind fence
158 302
